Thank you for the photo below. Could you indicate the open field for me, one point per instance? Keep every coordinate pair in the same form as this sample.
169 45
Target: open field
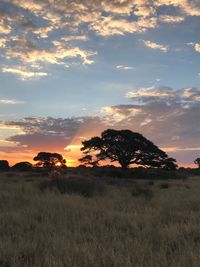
130 223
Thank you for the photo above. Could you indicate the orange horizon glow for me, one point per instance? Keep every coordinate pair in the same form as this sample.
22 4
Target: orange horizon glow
71 159
71 153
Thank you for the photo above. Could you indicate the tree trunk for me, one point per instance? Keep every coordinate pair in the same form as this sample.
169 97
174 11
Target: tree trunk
124 166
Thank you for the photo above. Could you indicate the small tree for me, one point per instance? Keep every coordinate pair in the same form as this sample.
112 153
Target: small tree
126 148
50 160
197 162
4 165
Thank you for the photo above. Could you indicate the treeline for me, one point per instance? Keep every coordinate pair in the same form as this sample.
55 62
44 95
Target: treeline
44 161
124 147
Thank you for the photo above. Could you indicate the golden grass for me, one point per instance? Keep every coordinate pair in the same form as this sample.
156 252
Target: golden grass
49 229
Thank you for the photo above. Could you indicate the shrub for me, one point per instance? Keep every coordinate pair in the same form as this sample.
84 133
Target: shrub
142 190
85 187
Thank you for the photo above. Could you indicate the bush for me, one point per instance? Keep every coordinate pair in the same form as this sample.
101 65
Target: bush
81 186
144 191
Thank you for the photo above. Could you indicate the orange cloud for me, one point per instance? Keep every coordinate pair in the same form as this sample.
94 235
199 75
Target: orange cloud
156 46
197 47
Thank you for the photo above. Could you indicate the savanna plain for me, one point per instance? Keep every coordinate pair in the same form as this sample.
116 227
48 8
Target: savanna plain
76 221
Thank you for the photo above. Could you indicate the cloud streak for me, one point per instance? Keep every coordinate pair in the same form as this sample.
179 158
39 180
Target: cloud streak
10 102
23 73
124 67
156 46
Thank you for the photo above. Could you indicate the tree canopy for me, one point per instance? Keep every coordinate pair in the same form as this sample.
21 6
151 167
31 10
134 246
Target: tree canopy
49 160
197 161
126 148
4 165
22 166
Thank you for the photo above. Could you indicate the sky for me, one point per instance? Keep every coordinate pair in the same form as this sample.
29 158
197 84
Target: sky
71 69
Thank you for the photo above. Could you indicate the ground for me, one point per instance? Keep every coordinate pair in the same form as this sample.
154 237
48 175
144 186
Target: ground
129 223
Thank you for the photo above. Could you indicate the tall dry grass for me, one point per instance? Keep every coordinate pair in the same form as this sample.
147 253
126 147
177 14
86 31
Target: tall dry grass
44 228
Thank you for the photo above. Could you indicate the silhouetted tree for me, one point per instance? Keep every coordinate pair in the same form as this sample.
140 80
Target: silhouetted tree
22 166
88 160
197 161
50 160
169 164
4 165
126 148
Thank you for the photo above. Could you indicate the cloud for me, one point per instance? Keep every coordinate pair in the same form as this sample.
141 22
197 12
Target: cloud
68 38
56 32
171 19
108 26
123 67
4 29
151 92
156 46
144 11
188 7
2 42
176 149
23 73
191 94
165 93
52 133
10 102
55 55
197 47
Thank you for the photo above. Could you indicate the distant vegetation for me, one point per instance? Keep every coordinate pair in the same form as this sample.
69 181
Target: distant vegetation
124 147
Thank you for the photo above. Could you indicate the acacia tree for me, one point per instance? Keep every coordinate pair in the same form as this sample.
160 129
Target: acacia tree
197 161
50 160
126 148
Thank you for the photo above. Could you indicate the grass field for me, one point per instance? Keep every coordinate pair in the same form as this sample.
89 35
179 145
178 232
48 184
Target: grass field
125 224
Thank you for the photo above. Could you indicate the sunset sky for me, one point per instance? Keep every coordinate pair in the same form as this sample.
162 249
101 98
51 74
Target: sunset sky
71 69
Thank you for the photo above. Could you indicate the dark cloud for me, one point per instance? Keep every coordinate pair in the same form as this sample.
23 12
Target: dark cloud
51 133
